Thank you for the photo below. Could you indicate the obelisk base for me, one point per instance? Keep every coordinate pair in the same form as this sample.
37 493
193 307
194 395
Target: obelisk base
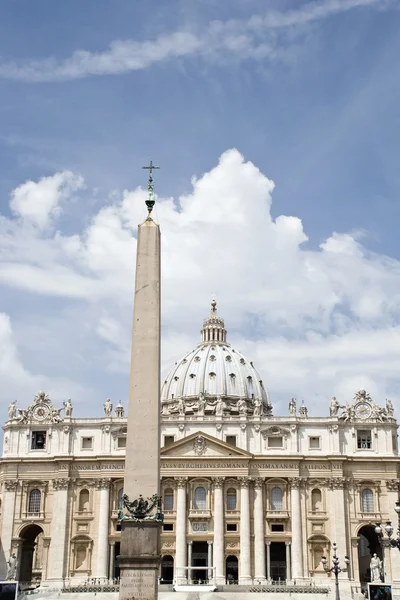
139 561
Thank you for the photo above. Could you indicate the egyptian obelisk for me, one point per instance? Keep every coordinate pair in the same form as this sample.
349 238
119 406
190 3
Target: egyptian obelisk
141 514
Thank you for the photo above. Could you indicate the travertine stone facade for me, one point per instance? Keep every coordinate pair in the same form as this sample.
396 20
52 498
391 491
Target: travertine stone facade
247 496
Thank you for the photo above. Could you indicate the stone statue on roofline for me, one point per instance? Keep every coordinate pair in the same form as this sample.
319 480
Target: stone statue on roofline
68 408
107 407
292 407
12 410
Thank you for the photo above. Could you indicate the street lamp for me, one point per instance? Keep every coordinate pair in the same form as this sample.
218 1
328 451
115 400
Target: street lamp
335 568
394 542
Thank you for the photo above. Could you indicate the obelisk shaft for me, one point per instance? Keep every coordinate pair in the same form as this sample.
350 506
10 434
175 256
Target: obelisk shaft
140 542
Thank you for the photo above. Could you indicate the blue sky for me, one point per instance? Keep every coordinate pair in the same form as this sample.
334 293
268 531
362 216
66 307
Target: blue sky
308 93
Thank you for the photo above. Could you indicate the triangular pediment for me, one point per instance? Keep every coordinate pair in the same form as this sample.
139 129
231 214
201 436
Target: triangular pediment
200 445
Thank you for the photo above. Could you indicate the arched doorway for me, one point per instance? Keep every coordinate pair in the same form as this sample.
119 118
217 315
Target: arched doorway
29 537
231 569
167 569
367 546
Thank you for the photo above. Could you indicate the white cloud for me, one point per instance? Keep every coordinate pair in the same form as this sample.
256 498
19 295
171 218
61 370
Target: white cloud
316 322
255 38
19 382
40 202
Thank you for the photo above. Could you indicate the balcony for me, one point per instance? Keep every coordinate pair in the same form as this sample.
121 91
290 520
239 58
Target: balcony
33 516
83 515
199 513
277 514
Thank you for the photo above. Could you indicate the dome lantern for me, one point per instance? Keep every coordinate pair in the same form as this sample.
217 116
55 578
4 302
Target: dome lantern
213 327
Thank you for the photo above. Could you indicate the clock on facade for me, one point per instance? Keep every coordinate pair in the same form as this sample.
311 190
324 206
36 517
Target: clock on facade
40 412
362 410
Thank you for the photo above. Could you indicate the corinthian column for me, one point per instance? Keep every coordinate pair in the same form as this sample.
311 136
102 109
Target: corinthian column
10 490
297 543
245 565
57 555
180 540
259 540
218 549
337 485
103 485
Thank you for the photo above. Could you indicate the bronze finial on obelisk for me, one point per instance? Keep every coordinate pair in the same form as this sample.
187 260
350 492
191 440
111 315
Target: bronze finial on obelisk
140 514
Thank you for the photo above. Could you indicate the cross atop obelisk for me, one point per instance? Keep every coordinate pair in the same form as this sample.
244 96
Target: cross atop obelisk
140 514
150 187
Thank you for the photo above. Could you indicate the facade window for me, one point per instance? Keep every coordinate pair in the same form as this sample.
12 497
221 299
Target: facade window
364 439
316 500
119 497
34 501
231 440
275 442
121 442
168 440
84 501
367 500
231 526
200 498
38 440
277 527
314 442
168 527
169 499
87 443
231 499
276 499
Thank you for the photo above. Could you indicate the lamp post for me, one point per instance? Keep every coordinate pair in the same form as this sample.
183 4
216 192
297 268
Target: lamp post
335 568
393 541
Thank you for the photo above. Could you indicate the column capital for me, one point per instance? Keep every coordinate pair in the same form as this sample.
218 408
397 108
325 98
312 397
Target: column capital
209 542
190 542
181 482
287 543
296 482
218 482
268 543
61 484
11 485
259 483
103 483
244 482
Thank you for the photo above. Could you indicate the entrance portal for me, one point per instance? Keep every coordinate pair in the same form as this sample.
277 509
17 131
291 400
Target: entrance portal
367 546
29 536
199 559
167 569
231 569
277 561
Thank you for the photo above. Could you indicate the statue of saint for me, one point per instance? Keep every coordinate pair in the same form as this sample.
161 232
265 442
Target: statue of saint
201 404
68 408
376 568
292 407
219 407
108 407
12 567
181 407
258 407
242 406
12 411
334 407
389 408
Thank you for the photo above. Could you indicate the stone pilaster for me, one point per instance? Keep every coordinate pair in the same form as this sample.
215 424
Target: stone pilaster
180 540
10 490
297 542
103 487
245 555
219 530
59 529
259 536
337 485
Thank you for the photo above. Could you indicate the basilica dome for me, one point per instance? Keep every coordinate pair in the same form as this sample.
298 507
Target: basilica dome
214 378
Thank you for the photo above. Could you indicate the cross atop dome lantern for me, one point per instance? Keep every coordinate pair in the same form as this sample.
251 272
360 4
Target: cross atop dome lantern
213 327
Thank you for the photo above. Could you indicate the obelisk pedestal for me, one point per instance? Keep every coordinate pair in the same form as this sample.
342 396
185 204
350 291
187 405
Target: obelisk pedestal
140 514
